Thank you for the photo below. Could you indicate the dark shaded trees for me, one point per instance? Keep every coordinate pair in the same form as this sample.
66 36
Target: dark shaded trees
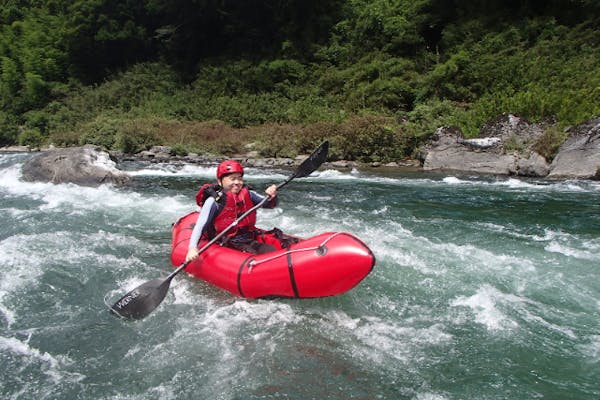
294 59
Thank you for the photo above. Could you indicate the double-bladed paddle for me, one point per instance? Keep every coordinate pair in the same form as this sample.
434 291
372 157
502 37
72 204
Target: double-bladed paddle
142 300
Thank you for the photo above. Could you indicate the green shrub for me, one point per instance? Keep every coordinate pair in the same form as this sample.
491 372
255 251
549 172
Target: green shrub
64 138
179 149
426 117
8 129
31 137
137 135
368 139
276 140
549 143
38 120
102 131
276 75
514 145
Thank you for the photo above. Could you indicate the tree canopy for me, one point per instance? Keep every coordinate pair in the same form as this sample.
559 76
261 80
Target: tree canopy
64 65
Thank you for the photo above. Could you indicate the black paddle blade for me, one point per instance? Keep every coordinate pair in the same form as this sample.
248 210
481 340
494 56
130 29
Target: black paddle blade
314 161
142 300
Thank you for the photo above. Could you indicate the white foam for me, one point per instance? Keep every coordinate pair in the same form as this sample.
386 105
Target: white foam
591 349
332 174
381 210
175 170
20 268
8 314
452 180
51 366
183 293
103 161
25 258
540 321
581 254
513 183
205 172
521 184
483 305
486 303
431 396
381 340
75 199
9 177
222 322
242 312
319 197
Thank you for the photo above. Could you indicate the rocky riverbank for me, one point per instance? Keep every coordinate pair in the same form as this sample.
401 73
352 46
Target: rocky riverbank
507 145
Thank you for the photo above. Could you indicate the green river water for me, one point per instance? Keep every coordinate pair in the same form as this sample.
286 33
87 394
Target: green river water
484 288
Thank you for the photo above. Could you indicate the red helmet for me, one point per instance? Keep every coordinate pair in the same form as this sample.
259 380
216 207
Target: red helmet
229 167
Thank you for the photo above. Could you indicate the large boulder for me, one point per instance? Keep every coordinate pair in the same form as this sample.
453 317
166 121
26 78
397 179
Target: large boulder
448 150
579 155
504 147
533 165
86 166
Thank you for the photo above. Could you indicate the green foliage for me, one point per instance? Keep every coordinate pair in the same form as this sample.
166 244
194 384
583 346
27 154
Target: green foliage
365 138
179 149
131 89
105 35
10 82
375 77
514 145
101 131
540 71
8 129
278 140
450 79
37 120
33 59
378 82
549 143
135 135
391 26
368 139
276 75
420 123
30 137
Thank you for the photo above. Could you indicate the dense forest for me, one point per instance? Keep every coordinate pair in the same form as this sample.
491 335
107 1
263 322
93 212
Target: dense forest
376 77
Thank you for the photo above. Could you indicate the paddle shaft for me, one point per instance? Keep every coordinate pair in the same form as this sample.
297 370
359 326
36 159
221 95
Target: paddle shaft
142 300
224 231
220 235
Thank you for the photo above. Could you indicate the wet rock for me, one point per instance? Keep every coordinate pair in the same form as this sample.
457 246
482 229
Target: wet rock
86 166
504 147
343 164
579 155
448 150
535 165
15 149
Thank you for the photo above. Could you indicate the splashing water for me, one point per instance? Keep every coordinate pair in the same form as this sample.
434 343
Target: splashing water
484 288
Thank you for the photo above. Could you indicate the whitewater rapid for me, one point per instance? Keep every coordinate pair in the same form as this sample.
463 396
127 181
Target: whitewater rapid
484 288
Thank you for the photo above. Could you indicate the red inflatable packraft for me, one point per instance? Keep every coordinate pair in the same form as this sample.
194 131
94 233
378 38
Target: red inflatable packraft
327 264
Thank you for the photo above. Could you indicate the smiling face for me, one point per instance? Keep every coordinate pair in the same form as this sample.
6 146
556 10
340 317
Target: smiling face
233 182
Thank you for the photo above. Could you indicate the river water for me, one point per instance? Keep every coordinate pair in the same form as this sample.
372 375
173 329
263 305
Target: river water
484 288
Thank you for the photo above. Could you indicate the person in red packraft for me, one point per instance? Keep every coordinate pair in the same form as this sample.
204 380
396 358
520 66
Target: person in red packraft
222 204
